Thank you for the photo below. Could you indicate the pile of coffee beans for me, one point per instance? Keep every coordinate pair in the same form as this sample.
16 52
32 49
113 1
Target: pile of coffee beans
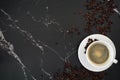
71 72
98 15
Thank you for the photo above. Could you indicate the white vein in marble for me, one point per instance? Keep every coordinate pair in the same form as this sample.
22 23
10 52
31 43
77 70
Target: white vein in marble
39 44
7 46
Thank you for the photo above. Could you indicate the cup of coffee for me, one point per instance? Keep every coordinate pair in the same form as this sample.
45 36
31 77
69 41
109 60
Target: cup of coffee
100 54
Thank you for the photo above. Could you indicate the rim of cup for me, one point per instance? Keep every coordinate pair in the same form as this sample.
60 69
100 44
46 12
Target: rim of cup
111 59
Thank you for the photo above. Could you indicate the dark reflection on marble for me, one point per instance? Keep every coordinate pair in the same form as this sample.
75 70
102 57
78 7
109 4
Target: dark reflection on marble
35 39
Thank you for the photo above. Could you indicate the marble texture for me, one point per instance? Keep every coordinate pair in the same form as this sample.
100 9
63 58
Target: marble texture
34 39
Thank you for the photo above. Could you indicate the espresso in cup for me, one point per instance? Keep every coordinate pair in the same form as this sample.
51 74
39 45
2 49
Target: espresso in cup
98 53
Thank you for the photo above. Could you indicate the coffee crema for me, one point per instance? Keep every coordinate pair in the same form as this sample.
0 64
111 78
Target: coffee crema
98 53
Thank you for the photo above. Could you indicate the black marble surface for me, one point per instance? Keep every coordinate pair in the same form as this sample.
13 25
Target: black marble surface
35 40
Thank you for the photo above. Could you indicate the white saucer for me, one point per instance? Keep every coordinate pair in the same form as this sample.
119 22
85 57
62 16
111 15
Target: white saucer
82 55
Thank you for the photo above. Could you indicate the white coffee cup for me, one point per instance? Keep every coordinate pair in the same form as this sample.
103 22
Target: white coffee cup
111 59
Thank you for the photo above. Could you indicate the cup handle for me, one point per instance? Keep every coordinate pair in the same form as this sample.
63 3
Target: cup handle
115 61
